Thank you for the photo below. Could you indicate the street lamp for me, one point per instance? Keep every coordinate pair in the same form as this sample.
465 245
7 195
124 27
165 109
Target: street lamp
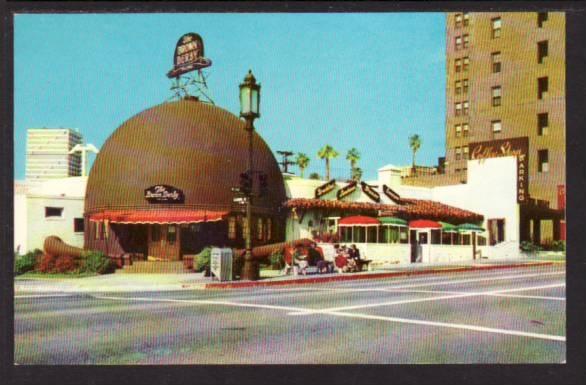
249 110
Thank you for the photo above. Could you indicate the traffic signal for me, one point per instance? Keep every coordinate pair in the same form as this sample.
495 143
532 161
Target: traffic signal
263 180
245 183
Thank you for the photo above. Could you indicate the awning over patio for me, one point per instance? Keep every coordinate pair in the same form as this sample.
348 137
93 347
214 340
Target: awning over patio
392 221
358 220
469 227
448 227
424 224
158 216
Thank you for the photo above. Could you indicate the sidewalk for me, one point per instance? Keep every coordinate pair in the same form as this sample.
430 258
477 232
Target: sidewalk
195 281
414 269
113 283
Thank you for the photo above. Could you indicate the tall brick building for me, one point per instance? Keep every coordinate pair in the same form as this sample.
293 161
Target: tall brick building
506 79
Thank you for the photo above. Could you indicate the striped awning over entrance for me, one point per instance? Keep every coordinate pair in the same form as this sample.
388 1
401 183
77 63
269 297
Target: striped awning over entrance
158 216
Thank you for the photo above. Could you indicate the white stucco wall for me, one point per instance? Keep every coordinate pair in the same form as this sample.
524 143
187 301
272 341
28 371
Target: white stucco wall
66 193
20 217
491 190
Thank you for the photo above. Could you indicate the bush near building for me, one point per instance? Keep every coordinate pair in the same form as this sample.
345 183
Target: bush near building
202 261
26 262
97 262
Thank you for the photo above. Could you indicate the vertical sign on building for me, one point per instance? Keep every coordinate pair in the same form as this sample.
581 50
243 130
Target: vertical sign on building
507 147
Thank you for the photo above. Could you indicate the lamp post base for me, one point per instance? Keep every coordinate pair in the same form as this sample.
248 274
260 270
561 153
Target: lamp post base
250 271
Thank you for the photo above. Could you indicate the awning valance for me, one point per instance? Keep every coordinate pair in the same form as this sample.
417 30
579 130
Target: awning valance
158 216
469 227
392 221
424 224
358 220
448 227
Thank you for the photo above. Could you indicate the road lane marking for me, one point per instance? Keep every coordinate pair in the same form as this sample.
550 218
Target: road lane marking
203 302
428 299
451 325
42 295
351 315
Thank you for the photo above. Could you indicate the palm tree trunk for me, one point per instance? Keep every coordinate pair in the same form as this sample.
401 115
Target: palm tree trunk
327 169
302 171
413 166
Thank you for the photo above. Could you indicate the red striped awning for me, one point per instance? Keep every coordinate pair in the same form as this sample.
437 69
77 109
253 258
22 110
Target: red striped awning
158 216
424 224
358 220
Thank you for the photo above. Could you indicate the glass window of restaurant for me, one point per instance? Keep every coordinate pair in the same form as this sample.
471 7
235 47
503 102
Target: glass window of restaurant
446 238
359 234
466 238
435 237
372 234
403 235
346 234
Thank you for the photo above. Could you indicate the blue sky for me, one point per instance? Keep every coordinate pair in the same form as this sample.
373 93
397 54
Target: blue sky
349 80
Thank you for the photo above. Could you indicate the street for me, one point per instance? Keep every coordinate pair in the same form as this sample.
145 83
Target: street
498 316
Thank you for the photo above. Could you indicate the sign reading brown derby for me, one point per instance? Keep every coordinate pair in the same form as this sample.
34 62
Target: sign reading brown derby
507 147
391 194
162 193
346 190
189 55
325 188
370 192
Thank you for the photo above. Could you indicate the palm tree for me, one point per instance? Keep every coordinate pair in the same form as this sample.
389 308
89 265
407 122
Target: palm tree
415 144
302 162
357 174
353 156
327 152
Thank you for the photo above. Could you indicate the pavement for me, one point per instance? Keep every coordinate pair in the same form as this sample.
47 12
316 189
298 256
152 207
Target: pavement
191 281
508 315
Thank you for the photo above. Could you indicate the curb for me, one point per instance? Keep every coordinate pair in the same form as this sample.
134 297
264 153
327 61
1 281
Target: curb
341 277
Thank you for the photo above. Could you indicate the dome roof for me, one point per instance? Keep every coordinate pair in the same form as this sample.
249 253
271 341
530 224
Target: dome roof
195 147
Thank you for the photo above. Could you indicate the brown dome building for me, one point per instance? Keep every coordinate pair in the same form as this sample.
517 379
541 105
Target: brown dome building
162 184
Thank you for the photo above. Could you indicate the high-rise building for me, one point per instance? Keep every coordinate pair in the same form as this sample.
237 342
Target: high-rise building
506 79
47 153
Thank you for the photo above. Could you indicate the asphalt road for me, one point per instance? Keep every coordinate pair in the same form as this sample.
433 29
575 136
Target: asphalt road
499 316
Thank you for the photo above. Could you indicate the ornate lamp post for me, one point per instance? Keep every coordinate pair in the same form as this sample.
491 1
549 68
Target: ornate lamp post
249 110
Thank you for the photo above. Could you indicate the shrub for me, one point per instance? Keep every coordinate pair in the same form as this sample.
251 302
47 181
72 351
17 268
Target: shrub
203 259
47 264
97 262
558 246
530 247
277 260
27 262
65 264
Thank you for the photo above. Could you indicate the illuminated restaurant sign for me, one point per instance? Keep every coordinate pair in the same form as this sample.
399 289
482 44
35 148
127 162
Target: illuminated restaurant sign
325 188
189 55
370 192
346 190
391 194
162 193
507 147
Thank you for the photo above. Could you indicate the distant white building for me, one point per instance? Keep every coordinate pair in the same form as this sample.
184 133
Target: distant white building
51 207
48 154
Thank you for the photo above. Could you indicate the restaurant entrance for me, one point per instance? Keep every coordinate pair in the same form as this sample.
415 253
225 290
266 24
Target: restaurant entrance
164 242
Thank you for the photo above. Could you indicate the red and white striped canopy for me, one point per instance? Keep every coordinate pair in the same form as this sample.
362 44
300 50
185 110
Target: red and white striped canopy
158 216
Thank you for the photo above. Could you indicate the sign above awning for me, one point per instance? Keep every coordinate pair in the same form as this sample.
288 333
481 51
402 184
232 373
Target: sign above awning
158 216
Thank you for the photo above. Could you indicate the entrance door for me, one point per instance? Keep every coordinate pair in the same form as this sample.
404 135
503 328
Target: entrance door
164 241
414 248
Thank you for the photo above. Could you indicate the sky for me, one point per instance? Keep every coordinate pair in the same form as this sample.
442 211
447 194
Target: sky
359 80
